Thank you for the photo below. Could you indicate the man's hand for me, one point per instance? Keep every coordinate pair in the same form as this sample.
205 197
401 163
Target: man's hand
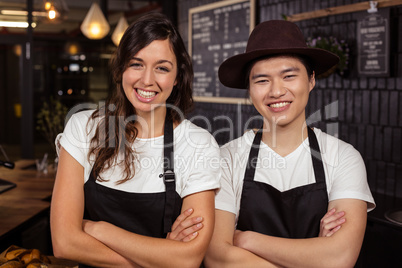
331 223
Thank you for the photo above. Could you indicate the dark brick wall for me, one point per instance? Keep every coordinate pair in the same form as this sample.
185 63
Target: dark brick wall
368 109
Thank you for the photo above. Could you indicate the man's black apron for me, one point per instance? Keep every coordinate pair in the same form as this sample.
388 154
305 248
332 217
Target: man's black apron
149 214
295 213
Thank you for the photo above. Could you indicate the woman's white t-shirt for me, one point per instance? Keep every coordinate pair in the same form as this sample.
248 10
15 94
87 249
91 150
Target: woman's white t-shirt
196 158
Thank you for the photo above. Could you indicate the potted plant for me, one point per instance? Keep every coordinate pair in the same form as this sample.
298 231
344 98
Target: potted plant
50 121
338 47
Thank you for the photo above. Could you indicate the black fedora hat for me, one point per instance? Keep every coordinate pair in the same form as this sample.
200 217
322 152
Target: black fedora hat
270 38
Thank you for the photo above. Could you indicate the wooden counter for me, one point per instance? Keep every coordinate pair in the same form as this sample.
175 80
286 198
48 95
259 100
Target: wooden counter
28 199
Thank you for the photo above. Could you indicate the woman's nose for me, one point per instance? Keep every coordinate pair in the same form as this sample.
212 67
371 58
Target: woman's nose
147 77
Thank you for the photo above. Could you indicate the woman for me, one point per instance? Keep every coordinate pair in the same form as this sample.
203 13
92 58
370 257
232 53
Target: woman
131 167
291 196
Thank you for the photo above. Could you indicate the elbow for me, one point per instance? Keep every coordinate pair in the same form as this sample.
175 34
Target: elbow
193 258
62 247
344 259
211 262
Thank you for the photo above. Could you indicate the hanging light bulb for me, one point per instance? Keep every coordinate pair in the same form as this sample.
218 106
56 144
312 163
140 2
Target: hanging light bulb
121 27
51 13
95 25
48 5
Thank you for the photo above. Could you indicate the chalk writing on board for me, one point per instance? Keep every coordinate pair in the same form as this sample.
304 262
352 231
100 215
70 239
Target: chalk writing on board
217 33
373 46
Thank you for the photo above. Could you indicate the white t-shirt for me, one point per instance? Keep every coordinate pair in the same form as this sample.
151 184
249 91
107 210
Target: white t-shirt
196 158
344 169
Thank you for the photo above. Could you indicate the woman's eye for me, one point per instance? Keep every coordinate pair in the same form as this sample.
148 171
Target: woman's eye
135 64
163 69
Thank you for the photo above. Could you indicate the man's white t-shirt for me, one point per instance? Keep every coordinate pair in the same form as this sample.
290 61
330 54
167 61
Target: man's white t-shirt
196 158
344 169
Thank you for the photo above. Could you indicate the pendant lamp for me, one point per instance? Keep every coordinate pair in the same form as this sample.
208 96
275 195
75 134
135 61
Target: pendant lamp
121 27
95 25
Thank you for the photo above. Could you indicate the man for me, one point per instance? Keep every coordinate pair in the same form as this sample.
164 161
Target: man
291 196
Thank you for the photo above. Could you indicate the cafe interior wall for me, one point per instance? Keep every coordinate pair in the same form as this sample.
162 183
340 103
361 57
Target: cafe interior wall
369 108
55 76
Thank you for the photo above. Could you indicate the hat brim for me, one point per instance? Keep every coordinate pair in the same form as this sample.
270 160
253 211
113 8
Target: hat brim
232 72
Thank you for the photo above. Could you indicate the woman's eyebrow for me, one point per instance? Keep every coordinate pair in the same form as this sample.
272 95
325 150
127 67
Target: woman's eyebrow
158 62
165 61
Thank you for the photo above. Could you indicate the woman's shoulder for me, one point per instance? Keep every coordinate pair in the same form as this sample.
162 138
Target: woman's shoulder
81 116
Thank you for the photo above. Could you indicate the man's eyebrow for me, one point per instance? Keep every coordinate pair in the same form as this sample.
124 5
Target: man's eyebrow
291 69
259 76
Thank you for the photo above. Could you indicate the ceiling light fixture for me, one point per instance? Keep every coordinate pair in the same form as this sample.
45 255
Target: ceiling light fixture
95 25
121 27
52 13
16 24
23 13
48 5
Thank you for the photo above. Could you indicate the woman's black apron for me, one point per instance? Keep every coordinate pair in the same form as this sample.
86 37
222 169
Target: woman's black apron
295 213
149 214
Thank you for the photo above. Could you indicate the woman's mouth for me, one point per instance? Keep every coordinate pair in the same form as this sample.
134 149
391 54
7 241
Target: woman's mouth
146 94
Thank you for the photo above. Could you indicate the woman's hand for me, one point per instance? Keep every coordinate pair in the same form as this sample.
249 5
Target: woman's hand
331 223
185 228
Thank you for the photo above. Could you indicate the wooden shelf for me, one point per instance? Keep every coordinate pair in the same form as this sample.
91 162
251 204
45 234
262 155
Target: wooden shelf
341 10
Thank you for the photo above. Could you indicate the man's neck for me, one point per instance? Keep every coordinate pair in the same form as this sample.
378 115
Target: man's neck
284 139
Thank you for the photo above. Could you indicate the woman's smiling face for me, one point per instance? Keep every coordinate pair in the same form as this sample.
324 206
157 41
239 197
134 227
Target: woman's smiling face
279 89
150 77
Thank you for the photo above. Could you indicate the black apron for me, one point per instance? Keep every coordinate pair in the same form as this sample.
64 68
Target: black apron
149 214
295 213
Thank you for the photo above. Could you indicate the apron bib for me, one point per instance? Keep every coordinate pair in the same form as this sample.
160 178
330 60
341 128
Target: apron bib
149 214
295 213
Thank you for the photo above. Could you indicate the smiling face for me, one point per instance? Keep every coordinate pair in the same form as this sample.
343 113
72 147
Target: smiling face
149 78
279 89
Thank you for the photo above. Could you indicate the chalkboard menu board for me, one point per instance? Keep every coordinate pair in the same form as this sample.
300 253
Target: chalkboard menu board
373 44
216 32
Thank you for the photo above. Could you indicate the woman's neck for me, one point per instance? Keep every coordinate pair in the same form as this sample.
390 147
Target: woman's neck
284 139
151 124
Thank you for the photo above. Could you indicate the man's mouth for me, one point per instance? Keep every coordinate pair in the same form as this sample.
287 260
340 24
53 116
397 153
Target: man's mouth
279 104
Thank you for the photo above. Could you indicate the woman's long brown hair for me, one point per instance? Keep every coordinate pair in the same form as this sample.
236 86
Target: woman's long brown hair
115 131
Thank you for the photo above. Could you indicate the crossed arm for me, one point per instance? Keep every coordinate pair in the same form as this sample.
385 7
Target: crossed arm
335 247
104 245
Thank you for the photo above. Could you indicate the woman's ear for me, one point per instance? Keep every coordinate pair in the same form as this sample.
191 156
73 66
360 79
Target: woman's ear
312 81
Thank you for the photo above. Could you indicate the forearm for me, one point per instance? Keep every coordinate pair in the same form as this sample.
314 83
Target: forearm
334 251
149 251
313 252
83 248
339 250
226 255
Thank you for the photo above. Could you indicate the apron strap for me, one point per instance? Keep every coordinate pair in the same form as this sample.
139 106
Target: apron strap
253 156
314 149
168 175
316 156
